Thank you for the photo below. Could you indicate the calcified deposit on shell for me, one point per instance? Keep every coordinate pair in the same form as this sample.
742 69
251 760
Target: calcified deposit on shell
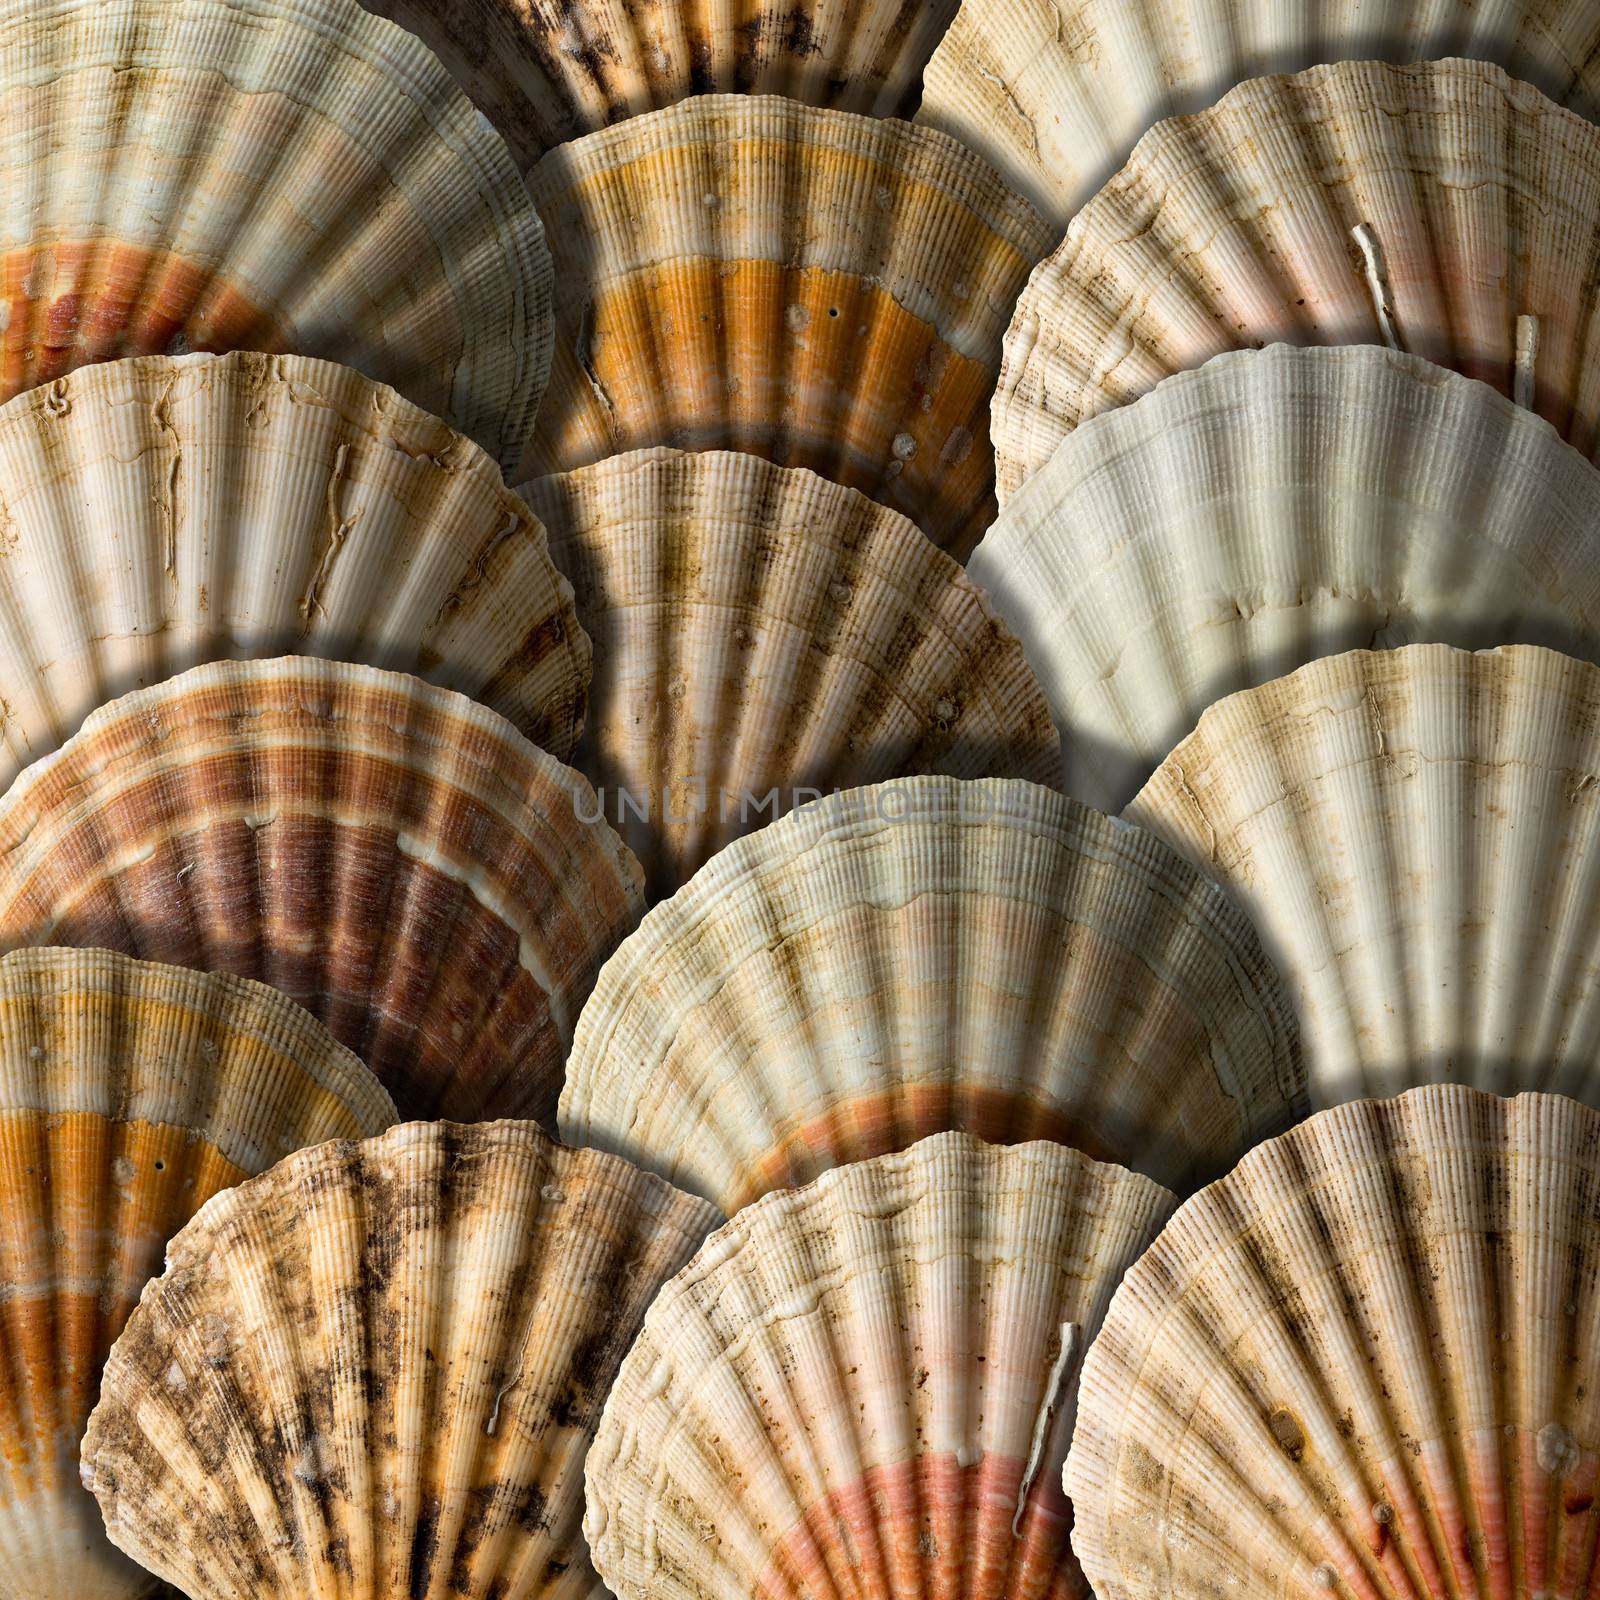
1416 833
278 175
865 1387
1441 209
931 954
822 289
762 635
129 1095
1362 1365
161 512
1273 507
396 858
546 71
1056 92
376 1371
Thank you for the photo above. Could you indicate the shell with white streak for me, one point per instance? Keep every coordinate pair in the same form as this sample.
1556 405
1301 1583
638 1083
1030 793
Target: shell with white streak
1416 833
376 1370
929 954
1440 208
396 858
130 1093
866 1386
1270 508
1361 1367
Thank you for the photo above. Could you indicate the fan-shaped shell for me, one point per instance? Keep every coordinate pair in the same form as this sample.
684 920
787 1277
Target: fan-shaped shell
1056 92
545 72
928 954
377 1370
1274 507
1362 1365
763 635
1439 208
129 1094
865 1387
396 858
1416 833
825 290
263 175
161 512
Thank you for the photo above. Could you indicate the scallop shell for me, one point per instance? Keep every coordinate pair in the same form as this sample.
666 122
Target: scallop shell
825 290
1441 209
161 512
1271 508
1416 833
397 859
1056 92
129 1094
263 175
763 635
1362 1365
865 1387
545 72
928 954
377 1370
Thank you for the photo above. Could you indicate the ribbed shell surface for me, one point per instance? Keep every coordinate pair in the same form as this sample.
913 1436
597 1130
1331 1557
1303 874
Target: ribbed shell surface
278 175
1439 208
160 512
759 629
1056 92
397 859
864 1388
1363 1365
129 1095
1416 833
377 1370
1273 507
930 954
545 71
821 289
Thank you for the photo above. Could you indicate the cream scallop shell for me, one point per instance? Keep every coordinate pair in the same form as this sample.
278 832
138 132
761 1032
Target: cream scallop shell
1274 507
930 954
399 860
376 1371
763 635
129 1095
265 175
1361 1366
1055 92
1416 833
865 1387
1440 208
545 71
159 512
825 290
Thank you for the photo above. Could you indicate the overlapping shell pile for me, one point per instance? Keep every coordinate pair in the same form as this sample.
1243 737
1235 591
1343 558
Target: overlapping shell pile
608 1034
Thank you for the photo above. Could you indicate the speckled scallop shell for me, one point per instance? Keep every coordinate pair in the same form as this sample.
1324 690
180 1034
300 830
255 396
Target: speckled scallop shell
763 635
397 859
865 1387
376 1371
278 175
1441 209
1361 1367
929 954
1273 507
160 512
825 290
129 1095
1416 833
545 71
1056 92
